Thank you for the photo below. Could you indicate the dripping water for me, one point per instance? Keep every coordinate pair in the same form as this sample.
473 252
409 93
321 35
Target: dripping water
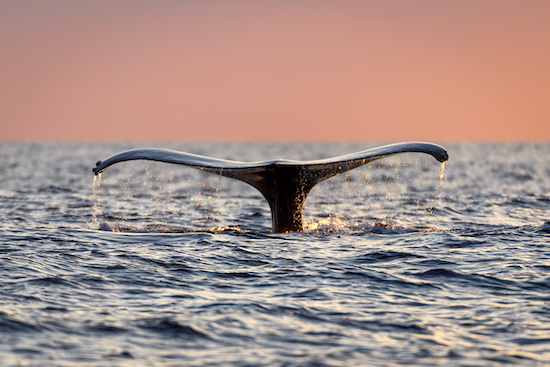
442 174
95 197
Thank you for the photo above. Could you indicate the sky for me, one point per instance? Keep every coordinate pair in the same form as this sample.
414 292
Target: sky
379 70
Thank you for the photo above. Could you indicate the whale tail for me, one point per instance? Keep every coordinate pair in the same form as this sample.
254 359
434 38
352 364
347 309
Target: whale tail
285 184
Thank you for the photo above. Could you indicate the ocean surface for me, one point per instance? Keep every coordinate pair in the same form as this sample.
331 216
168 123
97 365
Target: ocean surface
403 262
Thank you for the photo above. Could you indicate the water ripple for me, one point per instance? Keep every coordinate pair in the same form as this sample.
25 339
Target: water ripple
393 269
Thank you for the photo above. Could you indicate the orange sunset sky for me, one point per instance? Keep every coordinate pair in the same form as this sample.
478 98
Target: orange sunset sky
379 70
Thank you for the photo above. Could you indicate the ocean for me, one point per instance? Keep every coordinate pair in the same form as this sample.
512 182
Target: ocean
403 262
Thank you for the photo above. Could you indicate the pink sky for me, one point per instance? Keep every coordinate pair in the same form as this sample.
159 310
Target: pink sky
275 70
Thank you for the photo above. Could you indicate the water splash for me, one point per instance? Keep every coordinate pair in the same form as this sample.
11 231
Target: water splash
329 224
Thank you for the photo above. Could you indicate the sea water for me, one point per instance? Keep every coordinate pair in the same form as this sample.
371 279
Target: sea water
402 262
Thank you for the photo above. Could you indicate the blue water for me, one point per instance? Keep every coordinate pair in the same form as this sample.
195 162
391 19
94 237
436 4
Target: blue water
403 262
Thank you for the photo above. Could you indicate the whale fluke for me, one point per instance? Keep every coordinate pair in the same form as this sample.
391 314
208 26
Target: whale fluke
285 184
